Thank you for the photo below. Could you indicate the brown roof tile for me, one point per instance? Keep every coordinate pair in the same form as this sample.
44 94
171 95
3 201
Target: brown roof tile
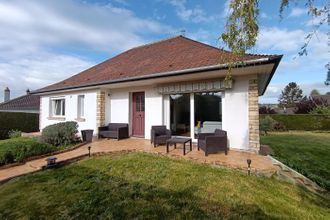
173 54
25 103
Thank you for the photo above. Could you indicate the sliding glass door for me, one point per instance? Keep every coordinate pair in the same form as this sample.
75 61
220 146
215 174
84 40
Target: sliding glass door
189 114
208 112
180 114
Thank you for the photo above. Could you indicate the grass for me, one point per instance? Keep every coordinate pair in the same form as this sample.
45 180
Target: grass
306 152
18 149
145 186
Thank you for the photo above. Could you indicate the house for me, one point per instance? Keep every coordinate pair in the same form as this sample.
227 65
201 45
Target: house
177 82
28 103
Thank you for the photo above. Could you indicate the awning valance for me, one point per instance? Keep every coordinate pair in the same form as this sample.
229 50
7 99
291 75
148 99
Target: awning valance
188 87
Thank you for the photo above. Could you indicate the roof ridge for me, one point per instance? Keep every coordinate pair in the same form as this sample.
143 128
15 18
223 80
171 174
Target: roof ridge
14 99
154 42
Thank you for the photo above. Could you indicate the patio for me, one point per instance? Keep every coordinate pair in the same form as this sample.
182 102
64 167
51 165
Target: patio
235 159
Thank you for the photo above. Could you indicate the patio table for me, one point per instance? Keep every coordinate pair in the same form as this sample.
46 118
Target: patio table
179 140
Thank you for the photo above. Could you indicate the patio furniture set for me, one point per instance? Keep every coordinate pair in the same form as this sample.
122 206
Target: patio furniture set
211 142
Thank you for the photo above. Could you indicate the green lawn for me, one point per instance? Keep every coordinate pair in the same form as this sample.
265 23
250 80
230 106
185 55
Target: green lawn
306 152
144 186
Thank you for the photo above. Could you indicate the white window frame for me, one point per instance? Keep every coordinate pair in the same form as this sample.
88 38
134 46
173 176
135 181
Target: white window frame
81 106
52 106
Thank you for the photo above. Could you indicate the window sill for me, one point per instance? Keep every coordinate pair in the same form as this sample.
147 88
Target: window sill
57 118
80 119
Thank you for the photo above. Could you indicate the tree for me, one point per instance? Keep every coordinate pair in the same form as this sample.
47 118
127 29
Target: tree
315 92
266 110
309 104
242 27
291 95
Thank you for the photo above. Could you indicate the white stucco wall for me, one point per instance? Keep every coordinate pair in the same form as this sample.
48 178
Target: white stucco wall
71 110
120 107
153 110
235 114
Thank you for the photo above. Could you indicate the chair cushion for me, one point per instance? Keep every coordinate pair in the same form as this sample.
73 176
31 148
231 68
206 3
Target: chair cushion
109 133
115 126
159 130
219 132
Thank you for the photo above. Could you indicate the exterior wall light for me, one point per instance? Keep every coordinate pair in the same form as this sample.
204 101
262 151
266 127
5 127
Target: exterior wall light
249 161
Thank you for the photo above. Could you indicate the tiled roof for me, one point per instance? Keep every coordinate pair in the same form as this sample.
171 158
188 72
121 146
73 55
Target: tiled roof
25 103
178 53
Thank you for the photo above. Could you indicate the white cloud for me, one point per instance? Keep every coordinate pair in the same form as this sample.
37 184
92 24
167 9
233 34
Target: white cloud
226 9
196 14
297 12
280 39
37 70
264 15
32 32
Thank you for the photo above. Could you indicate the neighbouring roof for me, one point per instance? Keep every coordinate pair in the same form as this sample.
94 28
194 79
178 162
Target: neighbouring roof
174 54
25 103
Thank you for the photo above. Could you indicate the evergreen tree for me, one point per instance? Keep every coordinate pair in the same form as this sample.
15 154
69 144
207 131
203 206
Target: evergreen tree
291 95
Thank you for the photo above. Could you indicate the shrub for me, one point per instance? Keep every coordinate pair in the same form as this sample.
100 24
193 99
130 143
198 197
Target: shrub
279 126
266 110
6 157
323 110
18 149
266 124
63 133
307 105
25 122
14 133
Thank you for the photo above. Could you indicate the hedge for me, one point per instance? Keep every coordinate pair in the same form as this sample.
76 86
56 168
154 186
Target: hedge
25 122
306 122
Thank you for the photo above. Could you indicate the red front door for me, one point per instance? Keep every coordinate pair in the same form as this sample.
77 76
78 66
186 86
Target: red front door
138 114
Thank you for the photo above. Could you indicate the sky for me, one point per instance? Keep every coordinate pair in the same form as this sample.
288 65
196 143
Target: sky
46 41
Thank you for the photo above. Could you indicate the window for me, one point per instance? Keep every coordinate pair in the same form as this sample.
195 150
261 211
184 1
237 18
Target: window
57 107
81 106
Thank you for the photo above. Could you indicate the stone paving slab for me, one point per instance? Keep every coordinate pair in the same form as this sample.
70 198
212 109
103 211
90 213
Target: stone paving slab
234 159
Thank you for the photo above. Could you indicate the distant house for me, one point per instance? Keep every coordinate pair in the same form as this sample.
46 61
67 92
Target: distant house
176 82
28 103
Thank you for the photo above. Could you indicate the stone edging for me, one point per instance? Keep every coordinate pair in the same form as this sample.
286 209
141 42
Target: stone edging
290 175
41 156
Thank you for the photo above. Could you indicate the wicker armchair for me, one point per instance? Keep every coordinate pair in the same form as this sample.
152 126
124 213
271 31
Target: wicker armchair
213 142
114 130
159 134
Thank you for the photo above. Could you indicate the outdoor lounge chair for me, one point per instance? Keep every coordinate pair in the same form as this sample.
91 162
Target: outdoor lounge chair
114 130
213 142
159 134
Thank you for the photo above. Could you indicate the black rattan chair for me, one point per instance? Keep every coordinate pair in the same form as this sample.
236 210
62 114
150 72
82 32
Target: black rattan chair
213 142
159 134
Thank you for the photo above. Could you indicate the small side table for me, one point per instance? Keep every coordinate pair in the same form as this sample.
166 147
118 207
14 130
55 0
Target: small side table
179 140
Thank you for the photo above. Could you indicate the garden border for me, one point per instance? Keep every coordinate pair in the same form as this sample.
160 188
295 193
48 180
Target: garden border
41 156
290 175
